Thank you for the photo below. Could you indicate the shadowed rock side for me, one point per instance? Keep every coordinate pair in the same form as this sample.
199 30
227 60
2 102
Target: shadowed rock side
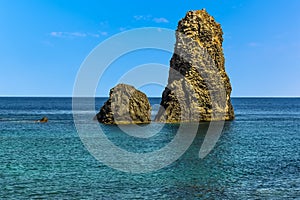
126 105
198 87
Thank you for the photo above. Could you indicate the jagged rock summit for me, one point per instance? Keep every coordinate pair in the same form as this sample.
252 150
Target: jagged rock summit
126 105
198 87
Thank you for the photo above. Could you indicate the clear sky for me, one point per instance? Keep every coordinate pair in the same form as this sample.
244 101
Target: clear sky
43 43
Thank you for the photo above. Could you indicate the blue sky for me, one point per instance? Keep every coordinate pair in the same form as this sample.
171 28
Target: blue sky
43 43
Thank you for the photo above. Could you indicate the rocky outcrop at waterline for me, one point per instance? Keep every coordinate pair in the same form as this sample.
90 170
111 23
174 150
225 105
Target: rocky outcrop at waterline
126 105
43 120
198 87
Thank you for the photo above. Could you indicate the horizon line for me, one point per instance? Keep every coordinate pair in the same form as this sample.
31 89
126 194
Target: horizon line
58 96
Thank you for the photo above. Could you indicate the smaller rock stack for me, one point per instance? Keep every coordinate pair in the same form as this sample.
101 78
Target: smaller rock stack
126 105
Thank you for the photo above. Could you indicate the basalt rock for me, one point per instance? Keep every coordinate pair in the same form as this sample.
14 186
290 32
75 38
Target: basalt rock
198 87
126 105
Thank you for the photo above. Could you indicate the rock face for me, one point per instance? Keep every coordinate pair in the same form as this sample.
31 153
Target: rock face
198 87
126 105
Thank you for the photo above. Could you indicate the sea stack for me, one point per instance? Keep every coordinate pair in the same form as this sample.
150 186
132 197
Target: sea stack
126 105
198 87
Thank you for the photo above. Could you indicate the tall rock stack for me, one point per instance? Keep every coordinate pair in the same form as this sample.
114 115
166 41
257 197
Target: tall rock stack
198 87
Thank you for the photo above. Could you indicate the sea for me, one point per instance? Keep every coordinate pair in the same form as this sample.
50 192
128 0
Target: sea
256 157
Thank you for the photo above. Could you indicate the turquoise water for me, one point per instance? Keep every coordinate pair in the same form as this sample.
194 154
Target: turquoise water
257 156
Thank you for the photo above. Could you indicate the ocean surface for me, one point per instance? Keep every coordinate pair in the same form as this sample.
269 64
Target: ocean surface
256 157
